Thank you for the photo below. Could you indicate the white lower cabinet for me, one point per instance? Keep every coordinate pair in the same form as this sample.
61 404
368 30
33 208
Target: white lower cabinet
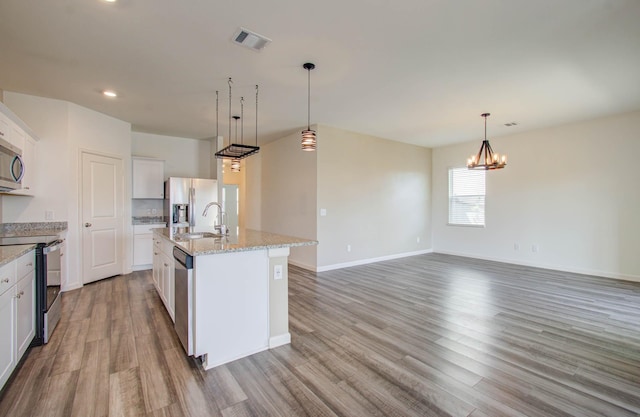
164 274
8 356
17 313
143 247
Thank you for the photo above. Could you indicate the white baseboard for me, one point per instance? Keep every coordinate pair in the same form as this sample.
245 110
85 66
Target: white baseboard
140 268
206 365
583 271
71 287
369 260
283 339
302 265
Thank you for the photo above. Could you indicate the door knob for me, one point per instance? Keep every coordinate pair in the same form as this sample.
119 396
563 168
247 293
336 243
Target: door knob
87 225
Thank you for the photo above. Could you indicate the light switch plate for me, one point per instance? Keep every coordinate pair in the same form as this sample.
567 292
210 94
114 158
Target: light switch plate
277 272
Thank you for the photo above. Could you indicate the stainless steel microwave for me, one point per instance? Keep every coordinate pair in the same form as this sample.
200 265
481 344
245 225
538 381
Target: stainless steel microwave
11 167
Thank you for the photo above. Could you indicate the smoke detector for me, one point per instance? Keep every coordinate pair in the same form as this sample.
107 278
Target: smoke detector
250 39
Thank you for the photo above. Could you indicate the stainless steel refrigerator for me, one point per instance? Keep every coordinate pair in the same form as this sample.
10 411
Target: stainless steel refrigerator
185 200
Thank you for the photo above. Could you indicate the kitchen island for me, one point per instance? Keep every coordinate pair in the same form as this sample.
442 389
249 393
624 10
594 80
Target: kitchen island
239 291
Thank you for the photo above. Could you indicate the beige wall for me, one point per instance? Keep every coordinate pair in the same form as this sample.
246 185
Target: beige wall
183 157
253 193
289 194
571 190
376 194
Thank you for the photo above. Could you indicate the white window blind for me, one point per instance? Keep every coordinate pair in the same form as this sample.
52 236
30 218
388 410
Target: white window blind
466 197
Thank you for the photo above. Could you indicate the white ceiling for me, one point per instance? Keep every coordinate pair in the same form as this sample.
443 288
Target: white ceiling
417 71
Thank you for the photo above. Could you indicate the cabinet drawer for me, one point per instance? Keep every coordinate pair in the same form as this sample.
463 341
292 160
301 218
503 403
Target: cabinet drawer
141 229
26 264
7 276
167 248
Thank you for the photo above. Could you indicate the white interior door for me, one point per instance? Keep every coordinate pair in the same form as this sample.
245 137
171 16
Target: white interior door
102 216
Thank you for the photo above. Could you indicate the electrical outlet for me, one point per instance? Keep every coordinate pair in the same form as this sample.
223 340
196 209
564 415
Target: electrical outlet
154 211
348 248
277 272
323 212
418 239
49 215
148 212
534 248
516 246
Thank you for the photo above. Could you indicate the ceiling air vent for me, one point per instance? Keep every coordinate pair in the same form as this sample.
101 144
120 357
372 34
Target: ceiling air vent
511 124
250 39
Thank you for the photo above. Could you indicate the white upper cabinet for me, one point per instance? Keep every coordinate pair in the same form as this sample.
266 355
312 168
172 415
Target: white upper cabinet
18 134
4 127
148 178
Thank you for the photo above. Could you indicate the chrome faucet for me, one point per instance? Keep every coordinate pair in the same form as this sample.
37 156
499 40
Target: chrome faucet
221 227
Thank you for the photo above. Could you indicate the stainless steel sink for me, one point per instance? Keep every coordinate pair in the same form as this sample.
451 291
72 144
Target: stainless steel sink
201 235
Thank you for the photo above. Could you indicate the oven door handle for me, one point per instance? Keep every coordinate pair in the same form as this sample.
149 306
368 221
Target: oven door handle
53 246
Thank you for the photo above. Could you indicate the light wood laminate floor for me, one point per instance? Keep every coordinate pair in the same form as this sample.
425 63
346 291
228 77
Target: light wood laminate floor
431 335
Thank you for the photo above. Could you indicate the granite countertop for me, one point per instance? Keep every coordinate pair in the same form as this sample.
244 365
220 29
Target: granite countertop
32 229
13 252
246 240
136 220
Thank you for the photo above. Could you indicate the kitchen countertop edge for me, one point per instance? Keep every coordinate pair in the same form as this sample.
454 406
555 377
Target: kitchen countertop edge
283 242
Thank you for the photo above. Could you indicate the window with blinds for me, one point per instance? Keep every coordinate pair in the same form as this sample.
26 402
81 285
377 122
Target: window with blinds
466 197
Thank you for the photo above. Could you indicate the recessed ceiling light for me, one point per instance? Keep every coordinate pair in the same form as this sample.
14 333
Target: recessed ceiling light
110 1
110 93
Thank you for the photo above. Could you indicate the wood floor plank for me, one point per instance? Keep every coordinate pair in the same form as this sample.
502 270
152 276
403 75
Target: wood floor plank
429 335
92 392
58 397
125 394
157 387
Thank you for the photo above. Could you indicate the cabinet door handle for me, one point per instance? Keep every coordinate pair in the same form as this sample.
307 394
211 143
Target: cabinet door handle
26 188
5 280
30 264
87 225
166 264
21 293
155 253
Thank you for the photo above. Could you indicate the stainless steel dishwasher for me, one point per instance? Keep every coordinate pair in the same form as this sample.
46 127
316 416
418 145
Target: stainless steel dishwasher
184 298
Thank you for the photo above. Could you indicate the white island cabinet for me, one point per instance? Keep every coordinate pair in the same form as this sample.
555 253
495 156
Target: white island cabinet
239 293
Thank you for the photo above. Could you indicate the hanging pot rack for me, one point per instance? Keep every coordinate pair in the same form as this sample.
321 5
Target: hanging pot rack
237 150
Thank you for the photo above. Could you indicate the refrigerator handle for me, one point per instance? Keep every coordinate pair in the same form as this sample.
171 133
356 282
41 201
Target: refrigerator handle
192 206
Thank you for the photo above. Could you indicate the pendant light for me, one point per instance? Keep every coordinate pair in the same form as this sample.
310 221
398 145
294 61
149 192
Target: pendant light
308 136
486 159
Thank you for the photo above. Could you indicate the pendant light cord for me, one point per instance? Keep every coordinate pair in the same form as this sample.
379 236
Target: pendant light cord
256 114
217 132
241 120
308 98
230 82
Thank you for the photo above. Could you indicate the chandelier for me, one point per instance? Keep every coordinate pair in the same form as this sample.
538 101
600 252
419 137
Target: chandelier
486 159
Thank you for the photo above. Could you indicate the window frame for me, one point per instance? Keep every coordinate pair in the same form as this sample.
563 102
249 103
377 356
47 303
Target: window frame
450 171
